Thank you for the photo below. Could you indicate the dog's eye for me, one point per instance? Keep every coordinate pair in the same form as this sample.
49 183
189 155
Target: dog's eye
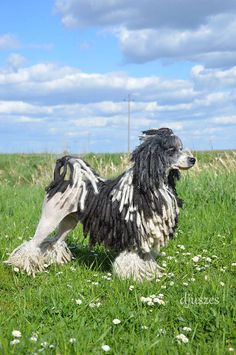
171 150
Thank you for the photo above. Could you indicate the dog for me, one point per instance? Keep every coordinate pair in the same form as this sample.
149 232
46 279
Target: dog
134 214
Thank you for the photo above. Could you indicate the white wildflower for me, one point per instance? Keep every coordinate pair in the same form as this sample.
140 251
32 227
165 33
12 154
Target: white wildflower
150 303
106 348
207 259
196 259
59 273
16 334
233 264
222 284
131 287
187 254
160 295
149 299
116 321
16 269
78 301
185 283
187 329
163 286
159 301
33 338
72 340
144 327
182 338
164 264
169 257
15 341
143 299
231 349
172 283
44 344
182 247
206 277
170 274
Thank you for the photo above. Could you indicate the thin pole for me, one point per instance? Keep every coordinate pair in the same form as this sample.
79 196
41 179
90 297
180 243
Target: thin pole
128 123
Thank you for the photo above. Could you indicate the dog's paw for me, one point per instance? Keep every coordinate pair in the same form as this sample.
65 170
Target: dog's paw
139 268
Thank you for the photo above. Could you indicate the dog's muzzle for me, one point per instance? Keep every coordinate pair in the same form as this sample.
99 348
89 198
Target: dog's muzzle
185 162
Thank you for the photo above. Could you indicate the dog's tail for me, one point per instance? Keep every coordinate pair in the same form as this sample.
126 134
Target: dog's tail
72 179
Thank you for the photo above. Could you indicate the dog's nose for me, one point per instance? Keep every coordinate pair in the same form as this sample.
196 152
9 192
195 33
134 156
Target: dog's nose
192 160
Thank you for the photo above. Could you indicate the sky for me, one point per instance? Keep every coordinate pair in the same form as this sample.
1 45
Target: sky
67 68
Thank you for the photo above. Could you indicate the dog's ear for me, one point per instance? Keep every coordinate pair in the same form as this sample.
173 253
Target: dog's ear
174 175
149 164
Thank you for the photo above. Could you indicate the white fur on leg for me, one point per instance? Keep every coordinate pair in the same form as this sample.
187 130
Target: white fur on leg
57 253
32 259
27 257
132 265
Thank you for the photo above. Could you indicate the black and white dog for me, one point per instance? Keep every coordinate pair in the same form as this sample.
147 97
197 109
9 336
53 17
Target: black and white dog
135 214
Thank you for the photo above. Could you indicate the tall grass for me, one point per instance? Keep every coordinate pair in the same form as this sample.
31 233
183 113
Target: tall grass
198 285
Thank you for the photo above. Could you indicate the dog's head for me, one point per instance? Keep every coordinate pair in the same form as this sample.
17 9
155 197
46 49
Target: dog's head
160 155
170 148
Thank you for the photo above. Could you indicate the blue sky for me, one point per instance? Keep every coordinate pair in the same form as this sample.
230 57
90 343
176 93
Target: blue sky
66 68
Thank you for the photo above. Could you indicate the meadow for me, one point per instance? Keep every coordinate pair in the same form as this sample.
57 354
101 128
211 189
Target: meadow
80 308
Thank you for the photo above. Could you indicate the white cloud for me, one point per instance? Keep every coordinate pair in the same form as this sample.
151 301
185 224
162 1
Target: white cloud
164 29
8 41
50 83
26 119
64 104
212 78
205 43
224 120
15 61
139 14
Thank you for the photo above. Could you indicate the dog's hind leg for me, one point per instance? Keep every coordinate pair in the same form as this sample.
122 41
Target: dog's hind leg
33 255
137 266
55 249
65 196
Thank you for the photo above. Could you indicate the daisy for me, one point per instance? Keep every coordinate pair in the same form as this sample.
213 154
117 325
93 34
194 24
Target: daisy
116 321
106 348
16 334
78 301
33 338
182 338
187 329
15 341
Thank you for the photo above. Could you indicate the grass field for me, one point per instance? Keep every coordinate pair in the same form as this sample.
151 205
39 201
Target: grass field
70 309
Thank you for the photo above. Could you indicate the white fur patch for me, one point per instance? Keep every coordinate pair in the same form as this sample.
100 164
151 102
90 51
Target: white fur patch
131 265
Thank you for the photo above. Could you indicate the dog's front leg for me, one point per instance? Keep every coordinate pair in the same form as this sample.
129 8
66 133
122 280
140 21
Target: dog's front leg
137 266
